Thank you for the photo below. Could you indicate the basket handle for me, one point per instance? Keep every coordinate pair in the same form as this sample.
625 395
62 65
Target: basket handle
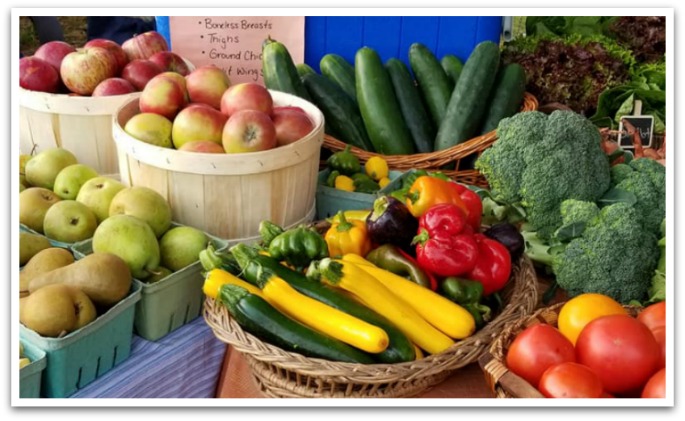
497 374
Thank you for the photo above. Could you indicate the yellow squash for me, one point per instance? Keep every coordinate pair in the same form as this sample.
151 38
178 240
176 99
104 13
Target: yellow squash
218 277
375 295
447 316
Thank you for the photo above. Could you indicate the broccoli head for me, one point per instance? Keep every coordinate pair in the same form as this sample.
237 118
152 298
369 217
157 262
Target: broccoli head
615 255
620 172
539 161
577 211
647 183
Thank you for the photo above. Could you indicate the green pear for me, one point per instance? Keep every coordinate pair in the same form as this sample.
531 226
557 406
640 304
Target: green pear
21 188
181 246
55 310
143 203
150 128
70 180
23 159
69 221
160 273
97 193
42 169
132 240
34 203
30 245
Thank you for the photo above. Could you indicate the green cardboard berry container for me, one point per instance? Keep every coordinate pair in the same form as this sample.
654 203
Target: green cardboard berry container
30 376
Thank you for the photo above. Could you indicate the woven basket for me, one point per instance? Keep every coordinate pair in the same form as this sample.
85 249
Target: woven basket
285 374
433 160
503 382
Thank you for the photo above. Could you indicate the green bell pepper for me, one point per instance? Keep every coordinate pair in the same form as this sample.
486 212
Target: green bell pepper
468 294
298 246
268 231
391 258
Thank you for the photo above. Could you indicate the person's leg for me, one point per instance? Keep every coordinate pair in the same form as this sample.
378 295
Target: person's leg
47 28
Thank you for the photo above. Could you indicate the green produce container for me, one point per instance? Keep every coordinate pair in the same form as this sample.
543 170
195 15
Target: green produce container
31 375
86 354
54 243
330 200
169 303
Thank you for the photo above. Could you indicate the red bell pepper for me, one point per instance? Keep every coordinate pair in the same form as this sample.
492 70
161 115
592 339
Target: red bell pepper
493 265
474 206
445 243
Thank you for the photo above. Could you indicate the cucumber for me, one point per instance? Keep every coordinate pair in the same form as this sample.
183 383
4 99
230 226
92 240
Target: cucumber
257 316
378 106
304 69
339 71
414 112
452 67
468 104
400 348
432 79
280 73
506 97
340 112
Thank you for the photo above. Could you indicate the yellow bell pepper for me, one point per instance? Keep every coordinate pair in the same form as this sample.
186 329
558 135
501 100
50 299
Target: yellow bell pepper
345 237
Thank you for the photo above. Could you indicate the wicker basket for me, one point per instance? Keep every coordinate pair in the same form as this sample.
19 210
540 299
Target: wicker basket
503 382
285 374
438 159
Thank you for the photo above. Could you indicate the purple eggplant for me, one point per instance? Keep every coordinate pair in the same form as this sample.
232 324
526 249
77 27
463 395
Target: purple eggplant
390 222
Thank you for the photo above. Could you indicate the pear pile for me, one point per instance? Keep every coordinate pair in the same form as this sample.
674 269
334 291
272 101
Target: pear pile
69 202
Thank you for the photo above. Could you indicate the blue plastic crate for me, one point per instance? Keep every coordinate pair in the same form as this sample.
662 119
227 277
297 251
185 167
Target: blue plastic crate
87 353
390 36
30 377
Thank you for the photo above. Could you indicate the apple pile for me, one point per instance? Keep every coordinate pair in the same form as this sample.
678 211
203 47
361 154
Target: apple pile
204 113
70 202
101 68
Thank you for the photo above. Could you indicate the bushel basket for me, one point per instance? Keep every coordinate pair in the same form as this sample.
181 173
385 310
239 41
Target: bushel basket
436 160
499 379
284 374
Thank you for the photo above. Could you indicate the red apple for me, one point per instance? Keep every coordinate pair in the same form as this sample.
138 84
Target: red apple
291 126
144 45
163 96
139 72
112 47
113 86
36 74
171 62
181 83
249 131
202 146
246 96
207 84
83 70
197 122
54 52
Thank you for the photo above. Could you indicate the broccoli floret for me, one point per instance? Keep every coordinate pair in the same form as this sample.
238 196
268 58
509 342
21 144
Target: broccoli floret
620 172
574 211
539 161
647 184
615 256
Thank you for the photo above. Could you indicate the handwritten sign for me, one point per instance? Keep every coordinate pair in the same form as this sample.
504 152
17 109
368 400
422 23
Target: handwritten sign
644 124
234 43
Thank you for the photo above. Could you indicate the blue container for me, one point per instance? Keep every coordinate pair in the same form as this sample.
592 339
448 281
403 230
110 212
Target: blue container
31 375
390 36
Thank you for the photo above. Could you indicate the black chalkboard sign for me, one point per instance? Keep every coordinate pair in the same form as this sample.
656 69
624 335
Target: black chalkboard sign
644 124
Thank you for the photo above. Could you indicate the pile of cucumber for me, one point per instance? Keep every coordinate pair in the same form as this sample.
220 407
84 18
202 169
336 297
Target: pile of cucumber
395 109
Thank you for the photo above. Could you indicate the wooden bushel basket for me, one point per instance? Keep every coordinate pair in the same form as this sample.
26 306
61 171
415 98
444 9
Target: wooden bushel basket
228 195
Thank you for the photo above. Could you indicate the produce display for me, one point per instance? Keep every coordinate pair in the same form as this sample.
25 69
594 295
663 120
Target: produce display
101 67
347 173
431 105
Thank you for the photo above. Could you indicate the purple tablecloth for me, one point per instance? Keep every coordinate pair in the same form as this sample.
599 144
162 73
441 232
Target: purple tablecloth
184 364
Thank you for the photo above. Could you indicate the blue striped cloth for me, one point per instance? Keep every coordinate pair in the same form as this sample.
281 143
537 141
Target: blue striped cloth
184 364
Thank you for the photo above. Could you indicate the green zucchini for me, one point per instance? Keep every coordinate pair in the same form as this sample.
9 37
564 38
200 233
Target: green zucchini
414 112
506 97
339 71
340 112
255 265
258 317
279 71
382 116
432 79
304 69
452 67
468 104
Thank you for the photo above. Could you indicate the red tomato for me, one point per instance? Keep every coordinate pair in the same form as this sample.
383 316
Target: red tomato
536 349
656 385
607 395
570 380
660 336
621 350
653 316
